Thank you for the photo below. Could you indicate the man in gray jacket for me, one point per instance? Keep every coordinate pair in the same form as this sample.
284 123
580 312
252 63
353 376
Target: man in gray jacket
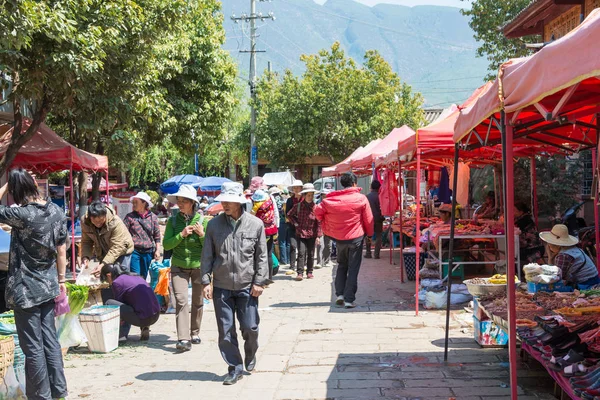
234 258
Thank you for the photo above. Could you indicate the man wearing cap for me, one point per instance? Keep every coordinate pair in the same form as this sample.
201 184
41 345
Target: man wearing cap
145 232
234 259
184 235
578 270
346 216
295 198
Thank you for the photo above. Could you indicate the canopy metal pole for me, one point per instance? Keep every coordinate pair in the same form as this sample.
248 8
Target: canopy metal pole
401 207
534 197
509 202
595 201
451 250
72 207
107 189
418 232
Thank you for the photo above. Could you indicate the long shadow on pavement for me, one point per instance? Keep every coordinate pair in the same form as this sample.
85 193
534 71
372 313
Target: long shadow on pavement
180 376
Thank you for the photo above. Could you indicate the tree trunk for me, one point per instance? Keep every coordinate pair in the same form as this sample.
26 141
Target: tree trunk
18 138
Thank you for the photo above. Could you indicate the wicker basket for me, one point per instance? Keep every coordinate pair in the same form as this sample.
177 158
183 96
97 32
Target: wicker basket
7 354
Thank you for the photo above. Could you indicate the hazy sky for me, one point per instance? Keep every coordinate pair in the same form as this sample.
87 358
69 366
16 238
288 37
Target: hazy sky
450 3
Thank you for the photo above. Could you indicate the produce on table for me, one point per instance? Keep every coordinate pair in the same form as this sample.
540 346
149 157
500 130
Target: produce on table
500 279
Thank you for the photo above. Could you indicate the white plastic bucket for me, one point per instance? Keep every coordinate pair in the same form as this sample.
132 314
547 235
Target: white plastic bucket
101 326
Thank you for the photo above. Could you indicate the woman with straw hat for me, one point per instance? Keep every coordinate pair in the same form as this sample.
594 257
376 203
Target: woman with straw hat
295 197
184 235
577 268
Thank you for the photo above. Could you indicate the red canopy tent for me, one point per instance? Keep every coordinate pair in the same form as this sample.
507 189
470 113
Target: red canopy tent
47 152
345 166
551 97
368 157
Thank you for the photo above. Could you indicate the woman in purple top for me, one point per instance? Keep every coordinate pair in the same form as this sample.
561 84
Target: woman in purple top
136 299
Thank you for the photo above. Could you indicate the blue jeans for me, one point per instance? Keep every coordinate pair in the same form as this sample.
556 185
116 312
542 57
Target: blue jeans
140 263
284 243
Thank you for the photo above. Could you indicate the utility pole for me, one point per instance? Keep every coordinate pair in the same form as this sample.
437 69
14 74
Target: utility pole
253 170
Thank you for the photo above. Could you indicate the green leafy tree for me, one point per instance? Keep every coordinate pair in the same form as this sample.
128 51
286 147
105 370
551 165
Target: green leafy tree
335 107
487 17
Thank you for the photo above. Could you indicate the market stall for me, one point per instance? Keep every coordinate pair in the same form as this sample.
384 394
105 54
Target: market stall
346 165
550 98
47 152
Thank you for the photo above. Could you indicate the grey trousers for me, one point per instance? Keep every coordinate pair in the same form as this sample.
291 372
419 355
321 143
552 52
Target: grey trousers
44 370
228 305
349 258
378 237
324 251
181 277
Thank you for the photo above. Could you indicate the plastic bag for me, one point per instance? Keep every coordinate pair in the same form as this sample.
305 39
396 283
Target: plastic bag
85 277
69 331
164 278
61 304
10 388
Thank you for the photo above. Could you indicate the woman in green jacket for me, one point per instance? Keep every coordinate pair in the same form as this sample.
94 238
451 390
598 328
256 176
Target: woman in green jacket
184 235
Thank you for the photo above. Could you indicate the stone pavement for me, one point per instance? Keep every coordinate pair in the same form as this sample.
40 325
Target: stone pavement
311 350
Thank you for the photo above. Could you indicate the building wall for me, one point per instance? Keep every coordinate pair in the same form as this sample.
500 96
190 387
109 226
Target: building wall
567 21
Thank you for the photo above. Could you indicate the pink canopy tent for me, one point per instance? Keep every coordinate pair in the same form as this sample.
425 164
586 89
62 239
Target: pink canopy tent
390 142
551 97
346 165
47 152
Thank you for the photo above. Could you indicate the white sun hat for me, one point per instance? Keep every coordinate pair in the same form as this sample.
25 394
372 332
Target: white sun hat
185 191
232 192
308 188
559 236
142 196
297 183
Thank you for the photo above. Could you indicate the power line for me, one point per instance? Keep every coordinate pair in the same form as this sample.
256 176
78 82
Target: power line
450 80
431 39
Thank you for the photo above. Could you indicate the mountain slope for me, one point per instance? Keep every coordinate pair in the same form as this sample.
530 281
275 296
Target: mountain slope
430 47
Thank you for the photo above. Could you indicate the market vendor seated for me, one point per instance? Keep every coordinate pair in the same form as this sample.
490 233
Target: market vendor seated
578 269
530 245
488 209
445 211
137 302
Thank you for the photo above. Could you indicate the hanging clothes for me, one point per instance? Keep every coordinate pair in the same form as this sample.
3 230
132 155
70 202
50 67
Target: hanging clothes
462 188
388 194
444 188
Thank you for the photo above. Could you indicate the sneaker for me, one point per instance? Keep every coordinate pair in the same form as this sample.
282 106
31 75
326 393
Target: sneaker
310 276
349 305
299 277
318 266
183 345
339 301
290 272
196 340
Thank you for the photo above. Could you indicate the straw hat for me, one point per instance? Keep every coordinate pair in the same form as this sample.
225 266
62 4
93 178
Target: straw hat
297 183
559 236
446 208
185 191
308 188
144 197
274 190
232 192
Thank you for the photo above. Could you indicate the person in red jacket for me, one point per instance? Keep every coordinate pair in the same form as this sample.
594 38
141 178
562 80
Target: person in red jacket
346 216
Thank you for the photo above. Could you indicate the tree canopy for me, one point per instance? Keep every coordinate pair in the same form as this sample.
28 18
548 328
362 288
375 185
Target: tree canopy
487 17
333 108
